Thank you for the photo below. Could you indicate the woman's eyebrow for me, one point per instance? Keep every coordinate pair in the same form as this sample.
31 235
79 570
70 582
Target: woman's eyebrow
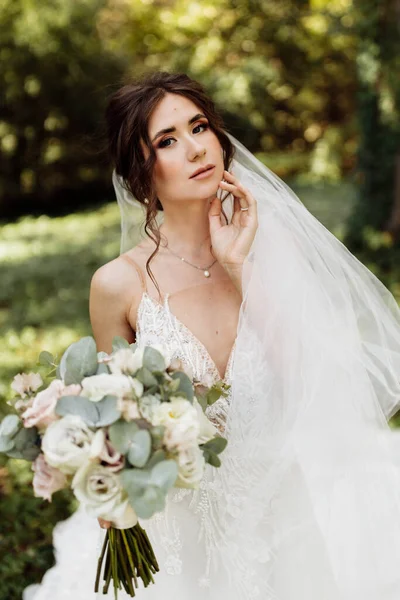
173 128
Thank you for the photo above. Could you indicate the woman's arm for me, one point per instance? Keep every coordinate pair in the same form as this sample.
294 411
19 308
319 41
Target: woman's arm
112 291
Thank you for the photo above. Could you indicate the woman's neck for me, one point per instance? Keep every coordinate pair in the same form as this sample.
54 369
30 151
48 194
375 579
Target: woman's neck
187 230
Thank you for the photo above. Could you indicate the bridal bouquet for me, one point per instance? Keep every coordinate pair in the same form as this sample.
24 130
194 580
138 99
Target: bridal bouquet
121 429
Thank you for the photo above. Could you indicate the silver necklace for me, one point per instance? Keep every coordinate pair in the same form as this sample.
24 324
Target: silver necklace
206 270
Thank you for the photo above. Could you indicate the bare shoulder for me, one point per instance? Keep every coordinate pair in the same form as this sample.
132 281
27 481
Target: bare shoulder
115 292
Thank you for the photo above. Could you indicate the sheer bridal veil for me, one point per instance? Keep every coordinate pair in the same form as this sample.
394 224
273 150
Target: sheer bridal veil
308 497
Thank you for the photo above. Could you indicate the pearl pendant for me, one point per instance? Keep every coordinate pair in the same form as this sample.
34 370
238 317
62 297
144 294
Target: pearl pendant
206 273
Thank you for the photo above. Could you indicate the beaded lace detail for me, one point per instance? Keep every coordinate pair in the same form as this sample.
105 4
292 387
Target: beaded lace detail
157 324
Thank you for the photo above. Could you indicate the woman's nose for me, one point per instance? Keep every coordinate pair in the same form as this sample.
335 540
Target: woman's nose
196 149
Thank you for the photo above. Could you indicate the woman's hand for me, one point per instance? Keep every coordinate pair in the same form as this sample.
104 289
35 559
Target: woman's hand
231 243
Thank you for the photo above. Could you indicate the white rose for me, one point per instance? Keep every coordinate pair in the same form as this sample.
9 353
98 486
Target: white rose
98 386
100 491
148 406
126 361
191 465
207 431
66 443
181 423
129 409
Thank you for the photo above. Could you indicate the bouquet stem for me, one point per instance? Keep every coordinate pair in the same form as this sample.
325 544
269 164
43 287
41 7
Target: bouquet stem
127 556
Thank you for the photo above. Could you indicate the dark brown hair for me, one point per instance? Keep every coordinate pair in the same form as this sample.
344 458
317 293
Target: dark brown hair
127 115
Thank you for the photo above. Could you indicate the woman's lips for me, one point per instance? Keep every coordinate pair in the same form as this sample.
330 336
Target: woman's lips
204 174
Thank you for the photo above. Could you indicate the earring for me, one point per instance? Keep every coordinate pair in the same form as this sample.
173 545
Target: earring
146 200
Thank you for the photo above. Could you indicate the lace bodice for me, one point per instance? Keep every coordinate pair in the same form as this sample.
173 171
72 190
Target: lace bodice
156 324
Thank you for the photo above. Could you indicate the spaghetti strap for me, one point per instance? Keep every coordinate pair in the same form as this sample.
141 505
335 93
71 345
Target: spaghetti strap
138 269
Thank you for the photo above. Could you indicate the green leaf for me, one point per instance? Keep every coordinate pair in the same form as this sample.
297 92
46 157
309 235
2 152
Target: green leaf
150 502
164 474
25 444
157 435
108 412
202 400
6 444
213 459
79 361
216 391
9 426
157 457
185 385
153 360
46 358
146 377
80 406
121 433
140 448
102 368
216 445
119 342
135 481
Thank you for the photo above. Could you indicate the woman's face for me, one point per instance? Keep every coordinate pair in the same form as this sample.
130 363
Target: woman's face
181 152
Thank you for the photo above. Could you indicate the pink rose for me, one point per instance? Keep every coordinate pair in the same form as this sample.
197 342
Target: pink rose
41 412
114 460
47 479
103 450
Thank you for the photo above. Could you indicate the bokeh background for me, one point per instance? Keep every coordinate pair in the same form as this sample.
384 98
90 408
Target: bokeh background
311 87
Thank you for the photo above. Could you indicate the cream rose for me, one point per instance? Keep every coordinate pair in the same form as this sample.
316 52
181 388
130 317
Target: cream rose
191 465
46 479
42 410
122 386
207 431
181 423
66 443
126 361
100 491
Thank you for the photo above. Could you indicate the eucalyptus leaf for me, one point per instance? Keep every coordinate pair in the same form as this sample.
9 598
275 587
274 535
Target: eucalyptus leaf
202 400
107 410
216 445
135 481
79 361
80 406
146 377
121 433
133 345
164 474
119 342
25 439
158 456
149 503
46 358
9 426
140 448
153 360
102 368
6 444
185 385
214 460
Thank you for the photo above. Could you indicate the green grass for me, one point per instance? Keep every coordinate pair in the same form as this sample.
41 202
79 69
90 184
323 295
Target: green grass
46 265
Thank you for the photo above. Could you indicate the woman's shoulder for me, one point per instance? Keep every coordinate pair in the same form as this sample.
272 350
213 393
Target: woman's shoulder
121 274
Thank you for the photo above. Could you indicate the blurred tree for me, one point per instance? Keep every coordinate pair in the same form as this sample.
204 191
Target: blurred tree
378 65
53 71
281 71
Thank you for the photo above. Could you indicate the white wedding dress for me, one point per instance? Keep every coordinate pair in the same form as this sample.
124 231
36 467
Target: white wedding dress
182 536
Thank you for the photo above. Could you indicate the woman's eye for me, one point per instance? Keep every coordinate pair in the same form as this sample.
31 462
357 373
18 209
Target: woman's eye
164 144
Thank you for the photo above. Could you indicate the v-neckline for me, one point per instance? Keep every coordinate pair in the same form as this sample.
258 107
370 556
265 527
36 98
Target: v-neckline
165 306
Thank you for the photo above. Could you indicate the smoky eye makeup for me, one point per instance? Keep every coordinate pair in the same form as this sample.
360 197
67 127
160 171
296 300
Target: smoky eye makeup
163 144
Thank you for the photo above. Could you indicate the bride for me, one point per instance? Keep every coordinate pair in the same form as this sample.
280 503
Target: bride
242 284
